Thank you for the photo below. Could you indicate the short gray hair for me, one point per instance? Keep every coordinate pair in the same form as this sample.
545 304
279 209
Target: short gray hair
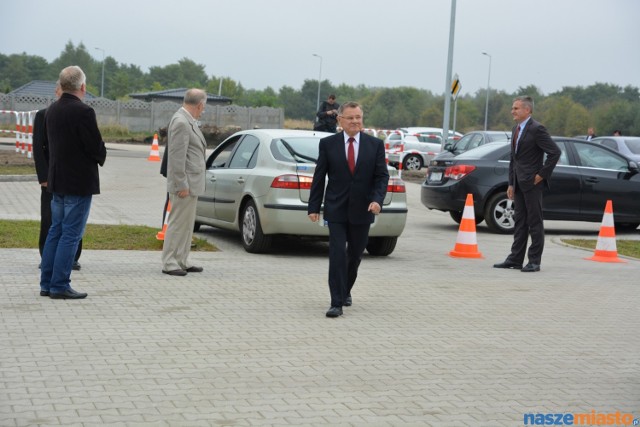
527 101
72 78
350 104
195 97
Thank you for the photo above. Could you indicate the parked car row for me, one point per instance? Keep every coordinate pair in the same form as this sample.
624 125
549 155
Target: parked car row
419 146
258 183
587 175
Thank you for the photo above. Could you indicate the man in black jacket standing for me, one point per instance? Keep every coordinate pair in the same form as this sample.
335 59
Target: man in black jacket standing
41 159
327 116
75 151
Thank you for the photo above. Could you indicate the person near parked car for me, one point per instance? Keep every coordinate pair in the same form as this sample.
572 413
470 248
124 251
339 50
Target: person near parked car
185 182
354 164
591 134
76 149
327 115
617 132
41 159
528 174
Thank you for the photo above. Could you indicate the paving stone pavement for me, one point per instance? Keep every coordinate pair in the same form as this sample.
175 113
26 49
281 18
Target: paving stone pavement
430 340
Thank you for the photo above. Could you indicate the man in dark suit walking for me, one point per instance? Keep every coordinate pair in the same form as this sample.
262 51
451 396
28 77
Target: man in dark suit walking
41 159
529 172
75 151
357 175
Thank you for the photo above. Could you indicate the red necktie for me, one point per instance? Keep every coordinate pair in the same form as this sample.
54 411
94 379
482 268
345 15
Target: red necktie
351 156
515 138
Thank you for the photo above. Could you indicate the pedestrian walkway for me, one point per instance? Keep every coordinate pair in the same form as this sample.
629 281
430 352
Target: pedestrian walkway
429 341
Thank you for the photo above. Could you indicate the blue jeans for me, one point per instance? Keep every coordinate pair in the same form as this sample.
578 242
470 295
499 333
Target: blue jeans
69 216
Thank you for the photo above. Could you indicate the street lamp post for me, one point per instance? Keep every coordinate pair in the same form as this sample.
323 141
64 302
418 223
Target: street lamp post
319 81
102 84
486 108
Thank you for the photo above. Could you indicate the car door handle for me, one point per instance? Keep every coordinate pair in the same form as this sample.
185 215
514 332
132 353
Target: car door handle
240 180
212 179
592 180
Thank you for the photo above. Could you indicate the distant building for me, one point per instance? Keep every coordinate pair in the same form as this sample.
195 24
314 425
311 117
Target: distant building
42 88
177 95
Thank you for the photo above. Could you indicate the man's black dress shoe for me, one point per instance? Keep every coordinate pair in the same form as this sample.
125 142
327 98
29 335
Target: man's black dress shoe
68 294
178 272
348 302
194 269
76 266
507 264
44 293
530 268
334 312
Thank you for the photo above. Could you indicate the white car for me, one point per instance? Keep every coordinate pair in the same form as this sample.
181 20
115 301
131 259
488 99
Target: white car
415 147
258 183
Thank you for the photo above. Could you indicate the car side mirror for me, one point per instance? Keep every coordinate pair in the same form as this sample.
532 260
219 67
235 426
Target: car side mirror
633 167
448 146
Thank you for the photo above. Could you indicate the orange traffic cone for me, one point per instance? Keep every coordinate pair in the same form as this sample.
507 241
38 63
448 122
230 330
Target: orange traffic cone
466 242
154 156
160 235
606 250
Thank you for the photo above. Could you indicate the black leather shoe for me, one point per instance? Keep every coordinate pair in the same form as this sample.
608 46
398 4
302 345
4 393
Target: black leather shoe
44 293
334 312
178 272
508 264
194 269
348 302
68 294
76 266
530 268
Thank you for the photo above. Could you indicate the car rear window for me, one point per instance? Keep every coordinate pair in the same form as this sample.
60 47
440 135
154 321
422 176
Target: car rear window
296 149
481 150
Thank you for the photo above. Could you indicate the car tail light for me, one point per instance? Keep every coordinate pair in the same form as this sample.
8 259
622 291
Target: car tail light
457 172
292 182
396 185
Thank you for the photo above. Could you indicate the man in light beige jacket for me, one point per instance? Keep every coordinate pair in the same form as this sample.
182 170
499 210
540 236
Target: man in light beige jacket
185 182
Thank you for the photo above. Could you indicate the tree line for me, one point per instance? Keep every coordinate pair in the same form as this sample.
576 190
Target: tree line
567 112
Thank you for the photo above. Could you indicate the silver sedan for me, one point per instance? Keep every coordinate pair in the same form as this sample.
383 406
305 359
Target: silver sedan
258 182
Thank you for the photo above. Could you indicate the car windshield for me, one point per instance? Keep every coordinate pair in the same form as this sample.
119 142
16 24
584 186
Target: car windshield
296 149
482 150
633 145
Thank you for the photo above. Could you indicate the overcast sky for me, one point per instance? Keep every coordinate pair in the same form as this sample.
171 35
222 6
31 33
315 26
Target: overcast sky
547 43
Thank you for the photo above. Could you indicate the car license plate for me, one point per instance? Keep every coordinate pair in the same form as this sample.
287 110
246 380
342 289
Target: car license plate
435 176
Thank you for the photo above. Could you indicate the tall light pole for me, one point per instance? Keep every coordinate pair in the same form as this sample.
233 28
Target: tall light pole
447 85
102 84
486 108
319 81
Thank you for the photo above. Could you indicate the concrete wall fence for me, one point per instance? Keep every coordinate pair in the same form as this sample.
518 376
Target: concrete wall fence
141 116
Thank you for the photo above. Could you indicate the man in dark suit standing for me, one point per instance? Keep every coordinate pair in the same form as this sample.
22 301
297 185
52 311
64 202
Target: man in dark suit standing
529 172
75 151
357 175
41 159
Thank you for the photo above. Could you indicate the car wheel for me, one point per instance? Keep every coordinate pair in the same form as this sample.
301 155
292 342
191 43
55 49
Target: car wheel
381 246
457 217
253 240
412 163
498 214
196 226
626 226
